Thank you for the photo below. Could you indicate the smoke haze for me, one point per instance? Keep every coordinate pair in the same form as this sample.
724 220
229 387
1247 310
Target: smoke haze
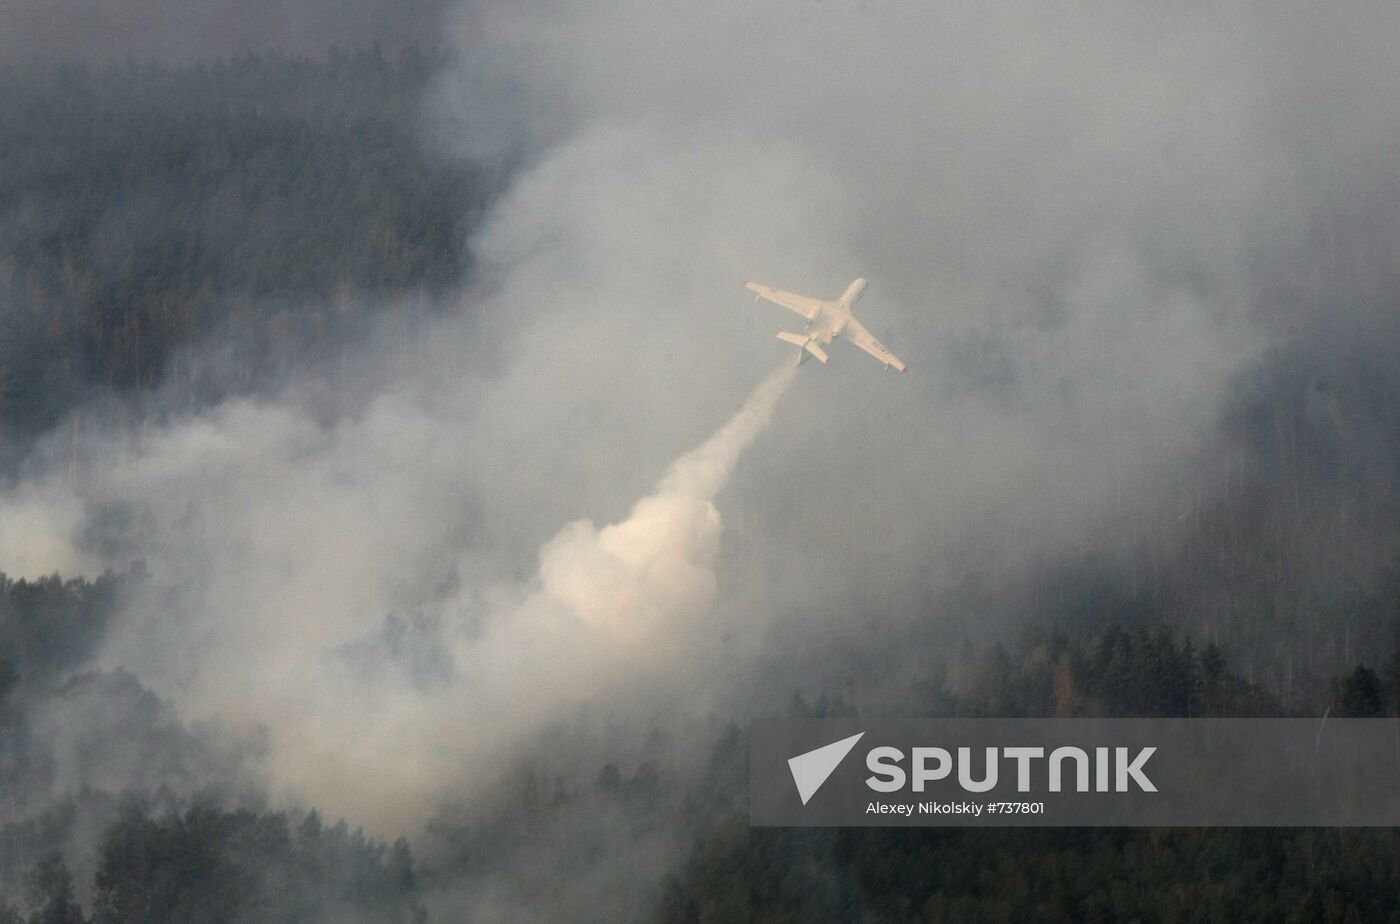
1082 232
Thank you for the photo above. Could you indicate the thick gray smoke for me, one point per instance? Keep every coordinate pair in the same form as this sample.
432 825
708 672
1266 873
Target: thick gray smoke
608 606
1066 216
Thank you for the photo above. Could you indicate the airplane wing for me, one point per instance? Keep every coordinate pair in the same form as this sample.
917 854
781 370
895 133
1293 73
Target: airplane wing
857 334
807 307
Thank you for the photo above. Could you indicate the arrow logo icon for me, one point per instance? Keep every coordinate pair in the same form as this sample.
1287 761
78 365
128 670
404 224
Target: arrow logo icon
810 770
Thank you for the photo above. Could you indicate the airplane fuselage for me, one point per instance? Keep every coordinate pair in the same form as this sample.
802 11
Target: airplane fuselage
835 316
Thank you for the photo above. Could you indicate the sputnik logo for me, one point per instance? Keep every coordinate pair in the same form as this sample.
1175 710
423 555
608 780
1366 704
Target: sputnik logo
811 770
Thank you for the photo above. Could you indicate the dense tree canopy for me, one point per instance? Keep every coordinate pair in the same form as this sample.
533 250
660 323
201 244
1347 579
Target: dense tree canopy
273 201
739 873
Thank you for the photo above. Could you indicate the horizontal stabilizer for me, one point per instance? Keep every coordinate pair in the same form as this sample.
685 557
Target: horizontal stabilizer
805 342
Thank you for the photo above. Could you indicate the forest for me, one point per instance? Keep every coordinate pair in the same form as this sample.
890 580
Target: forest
1059 874
269 203
277 208
161 856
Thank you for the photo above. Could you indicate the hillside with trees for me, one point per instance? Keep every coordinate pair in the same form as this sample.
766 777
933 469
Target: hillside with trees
738 873
273 203
174 234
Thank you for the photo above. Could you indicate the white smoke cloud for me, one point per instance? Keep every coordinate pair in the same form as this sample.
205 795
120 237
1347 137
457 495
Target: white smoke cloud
43 524
572 634
634 577
274 543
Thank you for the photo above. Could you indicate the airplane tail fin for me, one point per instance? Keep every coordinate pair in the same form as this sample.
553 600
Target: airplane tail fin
806 344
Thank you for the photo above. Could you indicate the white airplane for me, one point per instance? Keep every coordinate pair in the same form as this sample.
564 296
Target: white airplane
827 320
